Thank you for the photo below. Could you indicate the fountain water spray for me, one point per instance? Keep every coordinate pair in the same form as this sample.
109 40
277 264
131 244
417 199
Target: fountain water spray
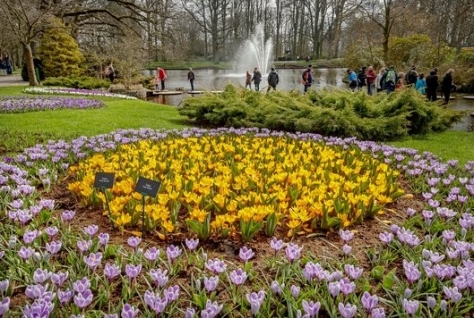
255 52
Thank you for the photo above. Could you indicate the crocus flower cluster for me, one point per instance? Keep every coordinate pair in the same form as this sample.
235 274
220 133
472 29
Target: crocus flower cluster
41 103
65 270
73 91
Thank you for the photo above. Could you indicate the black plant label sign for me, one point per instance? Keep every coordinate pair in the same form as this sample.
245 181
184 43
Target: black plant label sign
147 186
104 180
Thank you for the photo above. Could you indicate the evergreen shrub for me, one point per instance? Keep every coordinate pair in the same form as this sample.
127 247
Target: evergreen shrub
381 117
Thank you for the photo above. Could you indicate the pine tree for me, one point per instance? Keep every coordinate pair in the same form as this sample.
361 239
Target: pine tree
59 52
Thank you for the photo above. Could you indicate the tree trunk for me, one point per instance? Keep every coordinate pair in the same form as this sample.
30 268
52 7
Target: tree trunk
30 66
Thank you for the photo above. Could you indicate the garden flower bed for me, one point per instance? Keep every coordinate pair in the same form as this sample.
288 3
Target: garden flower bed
62 258
31 104
72 91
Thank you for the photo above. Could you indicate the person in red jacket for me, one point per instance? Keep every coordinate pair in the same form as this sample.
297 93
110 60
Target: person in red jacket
370 76
161 74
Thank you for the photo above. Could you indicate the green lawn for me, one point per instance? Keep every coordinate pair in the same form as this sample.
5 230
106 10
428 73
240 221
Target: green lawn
18 131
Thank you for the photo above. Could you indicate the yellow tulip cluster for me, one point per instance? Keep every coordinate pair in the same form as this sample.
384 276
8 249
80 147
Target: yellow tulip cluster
307 185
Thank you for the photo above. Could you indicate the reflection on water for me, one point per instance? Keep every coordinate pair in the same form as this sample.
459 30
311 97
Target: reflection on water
290 79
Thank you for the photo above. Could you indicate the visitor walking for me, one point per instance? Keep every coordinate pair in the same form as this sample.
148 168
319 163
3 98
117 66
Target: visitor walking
412 76
447 85
370 76
378 80
248 80
273 80
161 74
308 78
257 78
191 78
389 79
352 79
432 86
420 84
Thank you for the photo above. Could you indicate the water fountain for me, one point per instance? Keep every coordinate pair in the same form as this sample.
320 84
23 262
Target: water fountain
255 52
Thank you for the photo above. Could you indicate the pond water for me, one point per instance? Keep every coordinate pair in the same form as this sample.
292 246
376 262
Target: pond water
290 79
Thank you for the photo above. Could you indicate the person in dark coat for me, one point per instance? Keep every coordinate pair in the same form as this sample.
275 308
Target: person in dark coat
191 78
432 86
257 78
447 85
273 80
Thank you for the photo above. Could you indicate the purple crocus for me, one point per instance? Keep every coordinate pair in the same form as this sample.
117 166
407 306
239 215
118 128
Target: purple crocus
91 230
84 245
25 253
51 231
346 235
353 272
68 215
211 283
348 310
152 253
30 236
53 247
35 291
216 265
386 237
81 285
295 291
4 306
276 244
59 278
104 238
334 288
159 277
256 300
173 252
311 308
346 286
369 301
155 302
246 254
65 296
346 249
276 287
190 313
410 306
452 294
212 309
171 293
93 260
38 309
238 277
293 252
4 284
134 241
431 301
191 243
411 271
40 275
377 313
129 311
133 271
83 299
111 271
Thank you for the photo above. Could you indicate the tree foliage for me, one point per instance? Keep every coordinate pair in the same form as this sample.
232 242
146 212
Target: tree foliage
59 52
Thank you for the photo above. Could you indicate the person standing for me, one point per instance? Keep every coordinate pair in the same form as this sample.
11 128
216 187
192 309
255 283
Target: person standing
162 77
370 76
390 79
191 78
248 80
273 80
352 79
432 86
257 78
378 80
447 85
411 76
420 84
8 64
110 72
308 78
361 78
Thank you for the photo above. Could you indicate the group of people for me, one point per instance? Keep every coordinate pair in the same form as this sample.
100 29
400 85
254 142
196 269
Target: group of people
5 65
389 80
273 79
